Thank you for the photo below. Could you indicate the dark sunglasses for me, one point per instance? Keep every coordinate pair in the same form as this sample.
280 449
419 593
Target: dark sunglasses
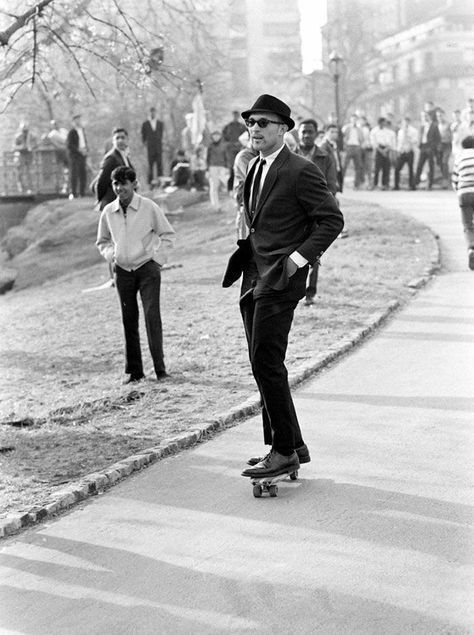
261 123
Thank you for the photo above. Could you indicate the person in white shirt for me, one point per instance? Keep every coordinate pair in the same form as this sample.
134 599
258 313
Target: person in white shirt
135 236
407 142
383 141
468 111
353 140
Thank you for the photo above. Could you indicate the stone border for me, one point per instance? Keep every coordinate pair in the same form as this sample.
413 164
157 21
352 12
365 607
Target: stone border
98 482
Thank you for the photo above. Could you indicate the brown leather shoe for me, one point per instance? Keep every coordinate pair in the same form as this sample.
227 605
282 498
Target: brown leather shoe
302 452
273 465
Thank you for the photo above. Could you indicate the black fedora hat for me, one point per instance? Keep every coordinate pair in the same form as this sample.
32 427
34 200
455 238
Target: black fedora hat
268 103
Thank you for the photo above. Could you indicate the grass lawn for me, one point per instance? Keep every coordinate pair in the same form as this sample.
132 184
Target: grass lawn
63 410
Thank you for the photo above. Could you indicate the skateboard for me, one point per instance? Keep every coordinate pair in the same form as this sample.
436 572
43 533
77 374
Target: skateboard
262 484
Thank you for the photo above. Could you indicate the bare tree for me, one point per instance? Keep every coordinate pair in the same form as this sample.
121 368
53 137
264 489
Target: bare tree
351 34
73 45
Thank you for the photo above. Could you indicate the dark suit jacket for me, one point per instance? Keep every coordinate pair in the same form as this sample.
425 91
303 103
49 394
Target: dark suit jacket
295 211
72 142
433 137
326 163
103 183
152 138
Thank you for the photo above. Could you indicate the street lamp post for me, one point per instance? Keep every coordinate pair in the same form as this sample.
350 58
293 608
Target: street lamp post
335 61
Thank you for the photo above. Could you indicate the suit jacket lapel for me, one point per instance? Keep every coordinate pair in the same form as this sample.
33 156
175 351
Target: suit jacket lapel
271 178
248 188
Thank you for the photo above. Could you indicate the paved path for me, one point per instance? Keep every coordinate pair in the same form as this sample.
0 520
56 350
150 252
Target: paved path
374 538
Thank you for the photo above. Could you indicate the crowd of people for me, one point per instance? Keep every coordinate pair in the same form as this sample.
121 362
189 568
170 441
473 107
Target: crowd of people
384 154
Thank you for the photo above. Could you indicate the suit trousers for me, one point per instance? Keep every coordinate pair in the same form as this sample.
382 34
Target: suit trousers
382 164
267 321
146 280
77 174
404 157
426 154
154 158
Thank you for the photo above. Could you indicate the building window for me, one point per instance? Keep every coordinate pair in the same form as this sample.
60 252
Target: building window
429 60
411 67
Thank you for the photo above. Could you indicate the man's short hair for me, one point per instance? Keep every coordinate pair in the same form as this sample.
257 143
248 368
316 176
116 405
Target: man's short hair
117 130
124 173
309 122
468 142
330 126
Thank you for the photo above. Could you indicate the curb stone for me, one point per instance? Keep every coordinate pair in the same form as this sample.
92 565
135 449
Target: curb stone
97 482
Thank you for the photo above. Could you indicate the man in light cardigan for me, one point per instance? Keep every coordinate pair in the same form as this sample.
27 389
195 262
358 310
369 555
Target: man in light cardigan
135 236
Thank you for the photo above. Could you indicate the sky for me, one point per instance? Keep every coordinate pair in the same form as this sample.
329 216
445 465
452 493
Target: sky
313 16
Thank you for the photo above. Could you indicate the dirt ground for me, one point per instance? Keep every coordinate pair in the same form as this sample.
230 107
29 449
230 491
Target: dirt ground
63 410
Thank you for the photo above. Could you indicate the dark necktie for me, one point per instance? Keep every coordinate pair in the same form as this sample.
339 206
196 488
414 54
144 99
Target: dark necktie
256 187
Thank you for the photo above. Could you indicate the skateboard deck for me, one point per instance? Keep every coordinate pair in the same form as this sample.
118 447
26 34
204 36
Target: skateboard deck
268 484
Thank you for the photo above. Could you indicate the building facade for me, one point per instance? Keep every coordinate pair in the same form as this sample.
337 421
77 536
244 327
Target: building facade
432 60
264 45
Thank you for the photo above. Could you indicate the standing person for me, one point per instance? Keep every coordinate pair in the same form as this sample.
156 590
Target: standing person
23 148
383 140
468 111
367 152
152 138
456 132
217 166
292 219
430 140
134 235
102 184
307 131
57 137
353 140
231 133
117 156
330 146
77 150
463 184
445 145
241 163
407 142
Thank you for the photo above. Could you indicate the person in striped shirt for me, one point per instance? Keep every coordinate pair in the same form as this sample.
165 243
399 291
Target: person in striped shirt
463 183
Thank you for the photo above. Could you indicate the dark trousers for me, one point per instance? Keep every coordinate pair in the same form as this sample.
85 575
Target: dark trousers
146 280
426 154
154 158
382 163
267 321
354 154
77 174
466 203
404 157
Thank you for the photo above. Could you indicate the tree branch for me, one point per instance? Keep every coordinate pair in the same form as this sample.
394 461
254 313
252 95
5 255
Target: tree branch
21 20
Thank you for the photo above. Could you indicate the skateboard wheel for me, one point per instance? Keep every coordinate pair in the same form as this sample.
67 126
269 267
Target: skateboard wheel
294 476
273 490
257 491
